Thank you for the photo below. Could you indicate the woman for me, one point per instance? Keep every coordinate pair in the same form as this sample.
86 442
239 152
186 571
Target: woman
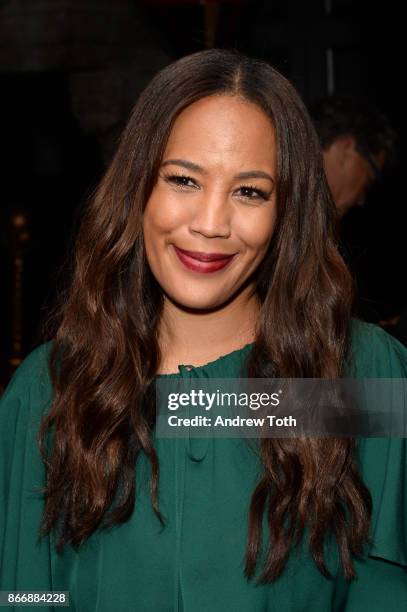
208 242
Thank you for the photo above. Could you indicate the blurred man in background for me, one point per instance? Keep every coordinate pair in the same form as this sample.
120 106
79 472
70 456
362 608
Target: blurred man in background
357 141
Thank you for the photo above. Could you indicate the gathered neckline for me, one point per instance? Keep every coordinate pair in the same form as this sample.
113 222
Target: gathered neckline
208 364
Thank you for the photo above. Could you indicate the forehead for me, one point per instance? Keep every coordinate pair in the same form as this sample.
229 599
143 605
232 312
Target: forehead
223 129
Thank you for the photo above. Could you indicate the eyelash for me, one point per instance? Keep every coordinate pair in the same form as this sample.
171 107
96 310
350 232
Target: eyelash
173 178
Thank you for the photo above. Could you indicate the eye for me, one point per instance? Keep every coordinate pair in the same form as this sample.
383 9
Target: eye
250 192
180 180
184 182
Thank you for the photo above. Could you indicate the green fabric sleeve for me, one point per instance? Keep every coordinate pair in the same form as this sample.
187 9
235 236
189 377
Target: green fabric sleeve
382 574
24 562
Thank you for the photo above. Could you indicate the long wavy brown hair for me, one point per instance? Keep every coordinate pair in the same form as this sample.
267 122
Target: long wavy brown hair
105 352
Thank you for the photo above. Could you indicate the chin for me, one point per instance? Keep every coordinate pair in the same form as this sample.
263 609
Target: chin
196 301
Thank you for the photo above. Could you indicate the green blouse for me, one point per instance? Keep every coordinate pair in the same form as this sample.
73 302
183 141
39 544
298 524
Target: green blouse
195 563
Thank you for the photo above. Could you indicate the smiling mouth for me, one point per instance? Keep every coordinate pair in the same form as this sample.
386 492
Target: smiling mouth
203 262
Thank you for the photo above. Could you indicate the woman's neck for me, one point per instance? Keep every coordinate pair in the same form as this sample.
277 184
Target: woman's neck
197 337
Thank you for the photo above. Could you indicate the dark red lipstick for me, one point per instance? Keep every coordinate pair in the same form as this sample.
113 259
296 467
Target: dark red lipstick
198 261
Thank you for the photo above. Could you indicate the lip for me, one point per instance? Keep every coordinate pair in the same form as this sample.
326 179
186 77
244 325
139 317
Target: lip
203 262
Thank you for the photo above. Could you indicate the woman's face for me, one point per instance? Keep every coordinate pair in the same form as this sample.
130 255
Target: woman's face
215 195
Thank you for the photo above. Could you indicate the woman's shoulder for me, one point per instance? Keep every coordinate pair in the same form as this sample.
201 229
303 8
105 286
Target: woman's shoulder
22 471
374 353
30 383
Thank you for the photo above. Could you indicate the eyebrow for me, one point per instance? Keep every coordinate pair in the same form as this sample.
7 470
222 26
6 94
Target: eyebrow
196 168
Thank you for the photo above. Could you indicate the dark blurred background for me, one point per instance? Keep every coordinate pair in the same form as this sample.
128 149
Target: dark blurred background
70 72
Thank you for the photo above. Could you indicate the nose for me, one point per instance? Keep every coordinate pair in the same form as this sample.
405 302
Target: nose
212 215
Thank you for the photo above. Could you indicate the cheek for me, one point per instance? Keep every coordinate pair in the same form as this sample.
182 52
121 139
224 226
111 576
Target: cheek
161 216
357 188
357 176
257 231
154 229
